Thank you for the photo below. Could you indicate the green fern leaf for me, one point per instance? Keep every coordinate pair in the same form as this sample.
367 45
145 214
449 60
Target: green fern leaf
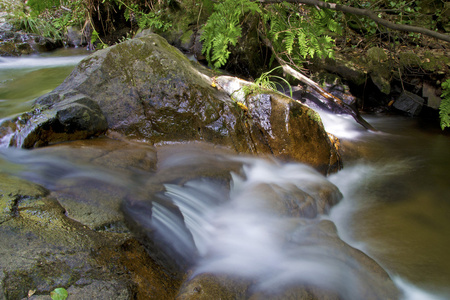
289 41
223 29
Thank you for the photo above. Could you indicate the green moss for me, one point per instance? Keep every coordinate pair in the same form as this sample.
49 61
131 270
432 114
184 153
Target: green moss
313 115
408 59
186 37
428 61
432 62
376 55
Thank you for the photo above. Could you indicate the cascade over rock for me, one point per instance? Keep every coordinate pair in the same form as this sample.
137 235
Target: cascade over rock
117 219
148 90
372 281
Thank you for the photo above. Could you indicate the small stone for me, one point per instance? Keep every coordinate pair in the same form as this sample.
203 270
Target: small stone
409 103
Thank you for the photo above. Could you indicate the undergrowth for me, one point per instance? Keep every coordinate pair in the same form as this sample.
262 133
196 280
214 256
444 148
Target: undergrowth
444 108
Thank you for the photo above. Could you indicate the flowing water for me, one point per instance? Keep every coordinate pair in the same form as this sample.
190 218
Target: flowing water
24 78
397 203
395 207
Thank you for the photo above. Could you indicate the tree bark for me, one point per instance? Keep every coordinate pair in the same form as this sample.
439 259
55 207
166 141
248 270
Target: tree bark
367 13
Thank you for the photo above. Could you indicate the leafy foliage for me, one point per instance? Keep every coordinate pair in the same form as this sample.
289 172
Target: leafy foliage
223 28
299 34
296 32
153 19
59 294
444 108
38 6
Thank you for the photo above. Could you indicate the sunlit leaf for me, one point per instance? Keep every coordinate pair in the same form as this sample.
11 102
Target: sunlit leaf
59 294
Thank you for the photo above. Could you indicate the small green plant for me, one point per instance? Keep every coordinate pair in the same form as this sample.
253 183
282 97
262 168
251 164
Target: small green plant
59 294
127 37
95 37
444 108
267 82
32 24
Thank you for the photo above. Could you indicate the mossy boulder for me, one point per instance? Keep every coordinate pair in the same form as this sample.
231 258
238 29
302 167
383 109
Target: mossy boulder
148 90
379 68
8 49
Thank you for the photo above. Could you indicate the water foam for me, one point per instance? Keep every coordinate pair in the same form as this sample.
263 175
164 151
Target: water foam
245 237
341 126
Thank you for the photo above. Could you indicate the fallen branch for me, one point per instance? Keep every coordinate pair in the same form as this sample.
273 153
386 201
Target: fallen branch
355 114
329 97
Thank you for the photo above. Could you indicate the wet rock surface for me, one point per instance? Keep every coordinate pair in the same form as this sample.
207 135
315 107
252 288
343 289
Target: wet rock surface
409 103
99 216
68 231
78 117
146 89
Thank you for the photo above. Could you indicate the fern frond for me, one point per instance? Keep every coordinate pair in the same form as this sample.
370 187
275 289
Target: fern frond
223 29
289 41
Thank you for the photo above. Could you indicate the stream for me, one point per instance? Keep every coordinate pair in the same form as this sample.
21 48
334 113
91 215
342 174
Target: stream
395 185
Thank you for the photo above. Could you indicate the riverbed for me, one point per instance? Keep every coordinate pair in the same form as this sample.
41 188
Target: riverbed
395 182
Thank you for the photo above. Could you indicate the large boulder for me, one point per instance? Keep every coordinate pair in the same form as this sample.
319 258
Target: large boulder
148 90
276 124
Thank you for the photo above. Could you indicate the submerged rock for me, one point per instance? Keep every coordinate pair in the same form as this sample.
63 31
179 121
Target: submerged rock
68 230
344 273
212 286
105 214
